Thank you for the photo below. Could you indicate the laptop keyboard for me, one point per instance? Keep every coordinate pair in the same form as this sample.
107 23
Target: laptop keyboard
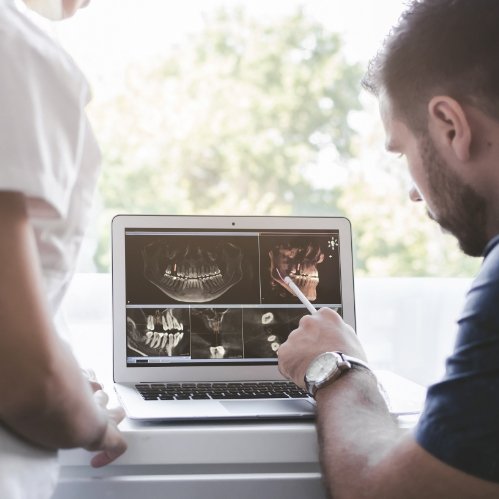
221 391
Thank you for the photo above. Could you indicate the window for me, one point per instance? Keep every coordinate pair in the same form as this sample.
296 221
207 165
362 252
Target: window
255 107
250 108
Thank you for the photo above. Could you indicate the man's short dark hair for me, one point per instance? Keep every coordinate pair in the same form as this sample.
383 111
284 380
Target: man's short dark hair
448 47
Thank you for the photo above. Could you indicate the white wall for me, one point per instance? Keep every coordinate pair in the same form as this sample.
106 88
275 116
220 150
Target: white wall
408 325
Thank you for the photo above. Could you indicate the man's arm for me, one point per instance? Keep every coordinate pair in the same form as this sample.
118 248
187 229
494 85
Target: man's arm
43 395
363 452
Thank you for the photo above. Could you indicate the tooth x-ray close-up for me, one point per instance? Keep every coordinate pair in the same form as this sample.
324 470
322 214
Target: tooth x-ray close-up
190 272
266 329
216 333
154 332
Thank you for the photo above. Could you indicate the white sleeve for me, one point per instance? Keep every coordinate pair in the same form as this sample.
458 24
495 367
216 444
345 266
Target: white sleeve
42 96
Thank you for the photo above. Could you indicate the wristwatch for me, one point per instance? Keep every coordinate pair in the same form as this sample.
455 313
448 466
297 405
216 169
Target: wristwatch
328 367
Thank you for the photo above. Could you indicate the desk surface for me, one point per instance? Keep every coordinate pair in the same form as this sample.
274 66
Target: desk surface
212 460
230 442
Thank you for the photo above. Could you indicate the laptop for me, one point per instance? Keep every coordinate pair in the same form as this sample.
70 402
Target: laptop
199 310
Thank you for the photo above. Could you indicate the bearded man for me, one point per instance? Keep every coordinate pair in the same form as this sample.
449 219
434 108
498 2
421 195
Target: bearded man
437 81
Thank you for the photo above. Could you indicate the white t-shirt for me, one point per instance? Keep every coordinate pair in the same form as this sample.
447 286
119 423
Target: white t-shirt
48 152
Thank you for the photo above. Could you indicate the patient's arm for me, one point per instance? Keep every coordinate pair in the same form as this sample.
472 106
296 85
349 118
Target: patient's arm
43 396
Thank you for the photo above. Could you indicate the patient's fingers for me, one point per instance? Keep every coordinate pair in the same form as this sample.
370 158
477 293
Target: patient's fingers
117 414
89 374
112 447
101 397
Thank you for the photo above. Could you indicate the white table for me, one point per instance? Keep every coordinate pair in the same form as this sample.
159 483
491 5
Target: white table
241 460
233 460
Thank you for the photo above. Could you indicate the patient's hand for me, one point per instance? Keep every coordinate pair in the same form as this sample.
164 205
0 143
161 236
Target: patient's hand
89 375
113 443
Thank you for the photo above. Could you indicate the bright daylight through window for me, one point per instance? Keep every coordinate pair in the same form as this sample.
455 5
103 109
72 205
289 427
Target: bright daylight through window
239 107
255 107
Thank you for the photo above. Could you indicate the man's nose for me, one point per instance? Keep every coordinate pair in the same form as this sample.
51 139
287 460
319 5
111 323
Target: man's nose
414 194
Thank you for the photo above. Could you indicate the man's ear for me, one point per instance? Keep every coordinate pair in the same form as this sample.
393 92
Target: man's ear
448 123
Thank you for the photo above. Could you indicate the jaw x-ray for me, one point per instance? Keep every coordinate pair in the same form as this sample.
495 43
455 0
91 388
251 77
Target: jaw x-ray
192 272
186 269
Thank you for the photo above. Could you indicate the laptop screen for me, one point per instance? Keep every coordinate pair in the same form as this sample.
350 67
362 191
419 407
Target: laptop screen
213 297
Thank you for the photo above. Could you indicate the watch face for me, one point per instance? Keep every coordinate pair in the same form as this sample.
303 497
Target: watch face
322 367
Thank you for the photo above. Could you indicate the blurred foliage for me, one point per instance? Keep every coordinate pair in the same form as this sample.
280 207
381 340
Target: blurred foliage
233 120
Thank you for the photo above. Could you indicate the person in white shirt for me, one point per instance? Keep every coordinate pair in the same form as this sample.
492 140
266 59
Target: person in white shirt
49 163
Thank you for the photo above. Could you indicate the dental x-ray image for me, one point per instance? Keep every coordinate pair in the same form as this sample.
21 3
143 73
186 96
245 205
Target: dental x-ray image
191 272
191 269
312 263
158 332
265 329
216 333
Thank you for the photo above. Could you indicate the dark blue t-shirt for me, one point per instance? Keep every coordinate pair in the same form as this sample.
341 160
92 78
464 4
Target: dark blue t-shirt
460 421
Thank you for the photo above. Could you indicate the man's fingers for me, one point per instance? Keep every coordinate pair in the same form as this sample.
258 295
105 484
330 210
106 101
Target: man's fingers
282 371
329 312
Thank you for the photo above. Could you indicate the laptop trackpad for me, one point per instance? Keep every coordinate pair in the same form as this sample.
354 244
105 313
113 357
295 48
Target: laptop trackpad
270 408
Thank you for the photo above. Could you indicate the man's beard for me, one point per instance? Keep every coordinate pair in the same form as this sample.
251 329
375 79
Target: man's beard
459 209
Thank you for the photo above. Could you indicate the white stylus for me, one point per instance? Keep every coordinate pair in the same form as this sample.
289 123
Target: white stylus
298 293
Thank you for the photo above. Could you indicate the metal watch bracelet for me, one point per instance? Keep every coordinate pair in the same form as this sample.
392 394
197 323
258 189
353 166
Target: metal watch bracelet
355 362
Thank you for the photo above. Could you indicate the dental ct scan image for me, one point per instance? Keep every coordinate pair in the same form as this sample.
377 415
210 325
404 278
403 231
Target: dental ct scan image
188 269
217 333
267 328
158 332
208 297
305 259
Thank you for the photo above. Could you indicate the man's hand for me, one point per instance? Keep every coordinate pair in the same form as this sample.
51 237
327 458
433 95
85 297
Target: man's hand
324 331
112 445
